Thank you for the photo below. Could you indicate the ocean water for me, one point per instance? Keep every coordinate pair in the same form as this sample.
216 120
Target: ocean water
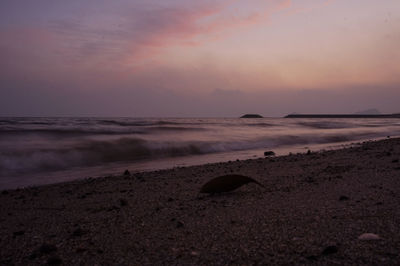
35 151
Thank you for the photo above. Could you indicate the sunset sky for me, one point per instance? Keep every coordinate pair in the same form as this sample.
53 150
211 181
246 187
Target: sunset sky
198 58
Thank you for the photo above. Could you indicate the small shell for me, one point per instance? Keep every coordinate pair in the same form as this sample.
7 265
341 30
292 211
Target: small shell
369 236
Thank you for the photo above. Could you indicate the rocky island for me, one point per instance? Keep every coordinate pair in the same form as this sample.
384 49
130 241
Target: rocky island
251 116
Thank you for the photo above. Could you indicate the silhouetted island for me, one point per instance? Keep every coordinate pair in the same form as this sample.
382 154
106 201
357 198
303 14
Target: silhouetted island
251 116
343 116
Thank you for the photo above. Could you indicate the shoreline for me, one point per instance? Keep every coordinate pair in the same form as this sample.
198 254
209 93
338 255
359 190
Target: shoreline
116 169
314 208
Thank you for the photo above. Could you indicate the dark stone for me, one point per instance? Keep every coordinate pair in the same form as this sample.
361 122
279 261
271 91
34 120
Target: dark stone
54 260
312 257
21 197
308 152
269 153
80 250
7 261
33 256
179 224
342 198
47 248
4 192
330 250
127 172
251 116
78 232
170 199
18 233
113 208
395 161
310 179
123 202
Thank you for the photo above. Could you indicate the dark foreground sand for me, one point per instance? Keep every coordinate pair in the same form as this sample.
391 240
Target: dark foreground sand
313 210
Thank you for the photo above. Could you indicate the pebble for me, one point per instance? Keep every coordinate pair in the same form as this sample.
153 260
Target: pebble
179 224
78 232
18 233
369 236
54 260
123 202
33 256
330 250
342 198
269 153
47 248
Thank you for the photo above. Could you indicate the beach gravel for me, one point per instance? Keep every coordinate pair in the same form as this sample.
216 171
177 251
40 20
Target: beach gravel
312 211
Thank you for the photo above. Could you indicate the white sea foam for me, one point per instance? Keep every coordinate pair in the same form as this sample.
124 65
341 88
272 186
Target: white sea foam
44 145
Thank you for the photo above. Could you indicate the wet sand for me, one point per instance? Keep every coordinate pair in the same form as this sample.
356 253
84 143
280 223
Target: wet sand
312 211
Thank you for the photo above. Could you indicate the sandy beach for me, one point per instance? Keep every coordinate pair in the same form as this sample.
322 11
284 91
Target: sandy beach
313 210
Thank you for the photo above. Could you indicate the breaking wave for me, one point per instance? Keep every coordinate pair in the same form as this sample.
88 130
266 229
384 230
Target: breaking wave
35 145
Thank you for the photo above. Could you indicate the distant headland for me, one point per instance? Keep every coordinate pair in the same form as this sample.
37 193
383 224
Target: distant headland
251 116
343 116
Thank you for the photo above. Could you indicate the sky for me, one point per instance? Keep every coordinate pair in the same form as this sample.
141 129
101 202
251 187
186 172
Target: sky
209 58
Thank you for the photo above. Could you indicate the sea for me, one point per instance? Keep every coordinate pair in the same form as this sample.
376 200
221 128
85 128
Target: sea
44 150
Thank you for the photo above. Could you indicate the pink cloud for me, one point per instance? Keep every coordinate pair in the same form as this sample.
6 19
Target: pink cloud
182 27
143 34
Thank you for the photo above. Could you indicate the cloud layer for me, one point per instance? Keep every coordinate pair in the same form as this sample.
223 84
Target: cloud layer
156 57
